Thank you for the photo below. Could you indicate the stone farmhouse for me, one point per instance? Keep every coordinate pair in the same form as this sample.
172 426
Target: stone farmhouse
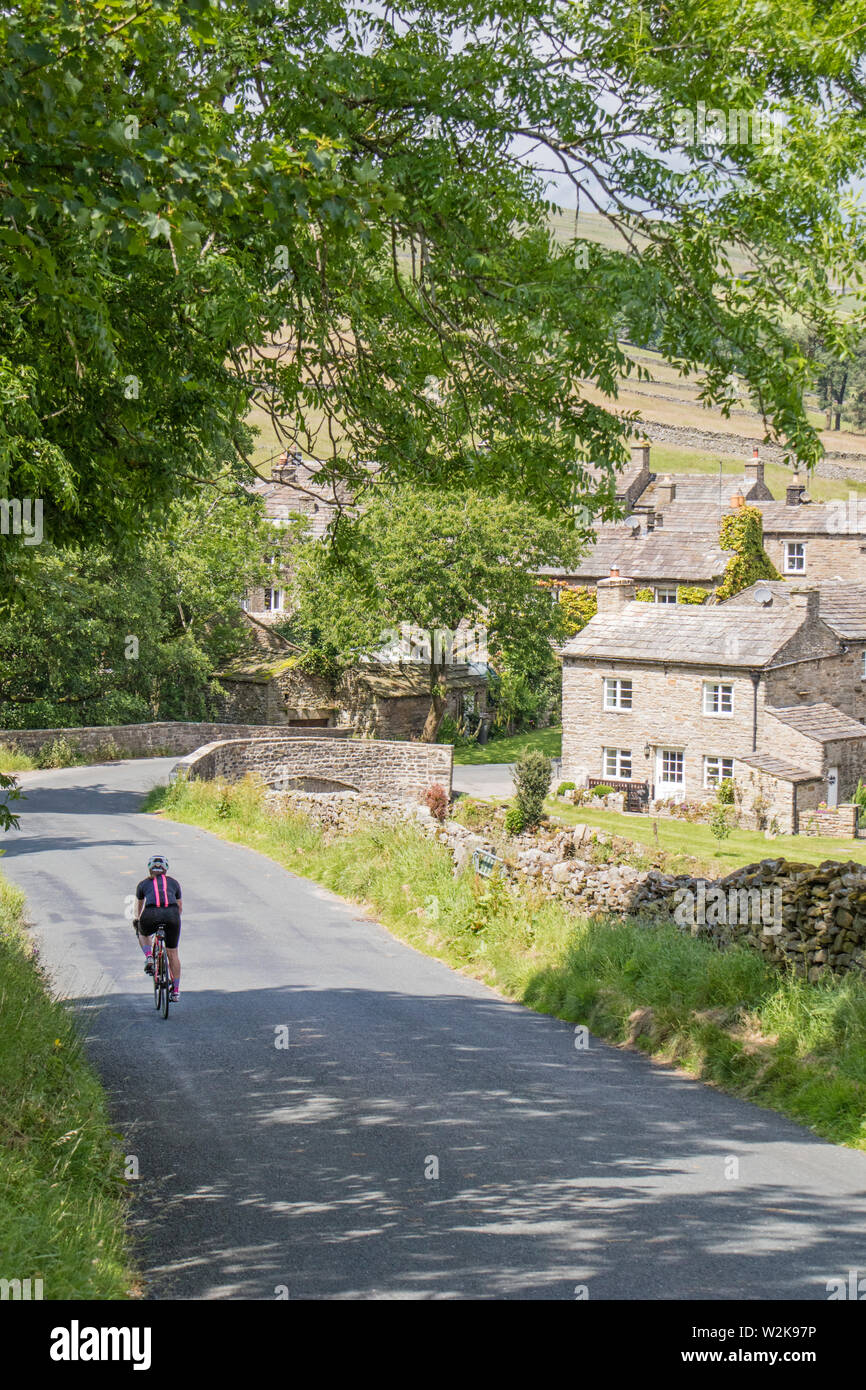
670 537
768 689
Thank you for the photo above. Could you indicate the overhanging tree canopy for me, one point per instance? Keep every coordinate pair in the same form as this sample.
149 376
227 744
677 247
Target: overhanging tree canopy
328 210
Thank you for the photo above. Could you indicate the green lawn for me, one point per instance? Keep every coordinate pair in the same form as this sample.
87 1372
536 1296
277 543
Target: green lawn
507 750
720 856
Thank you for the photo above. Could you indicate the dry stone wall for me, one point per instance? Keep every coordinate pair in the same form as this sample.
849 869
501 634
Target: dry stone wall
800 916
143 740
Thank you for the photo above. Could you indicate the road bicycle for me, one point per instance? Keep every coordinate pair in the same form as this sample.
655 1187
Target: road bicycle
161 976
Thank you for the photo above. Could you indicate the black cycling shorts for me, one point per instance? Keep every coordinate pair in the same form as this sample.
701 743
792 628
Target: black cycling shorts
169 917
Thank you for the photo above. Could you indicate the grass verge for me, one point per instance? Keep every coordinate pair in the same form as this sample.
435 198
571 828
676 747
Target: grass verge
62 1189
725 1017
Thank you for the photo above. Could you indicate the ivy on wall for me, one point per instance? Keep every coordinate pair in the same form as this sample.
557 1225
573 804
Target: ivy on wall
644 596
578 606
743 533
692 593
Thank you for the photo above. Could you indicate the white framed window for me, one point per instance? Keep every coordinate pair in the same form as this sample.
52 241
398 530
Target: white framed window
718 698
863 666
795 557
617 762
664 594
273 600
671 768
617 693
245 604
717 769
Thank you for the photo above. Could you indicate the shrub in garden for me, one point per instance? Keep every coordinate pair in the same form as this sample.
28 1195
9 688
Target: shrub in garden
514 821
564 787
601 790
532 783
436 801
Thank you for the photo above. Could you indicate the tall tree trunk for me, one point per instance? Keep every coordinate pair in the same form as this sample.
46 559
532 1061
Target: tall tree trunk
438 705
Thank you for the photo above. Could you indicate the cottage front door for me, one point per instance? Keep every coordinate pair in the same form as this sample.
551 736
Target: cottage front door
670 774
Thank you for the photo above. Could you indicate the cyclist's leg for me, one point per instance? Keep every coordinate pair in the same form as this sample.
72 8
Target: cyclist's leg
172 940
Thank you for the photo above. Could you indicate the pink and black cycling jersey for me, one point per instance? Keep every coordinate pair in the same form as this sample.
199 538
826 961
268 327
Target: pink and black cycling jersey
160 891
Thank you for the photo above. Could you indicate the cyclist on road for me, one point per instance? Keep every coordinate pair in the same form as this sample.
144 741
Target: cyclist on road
158 902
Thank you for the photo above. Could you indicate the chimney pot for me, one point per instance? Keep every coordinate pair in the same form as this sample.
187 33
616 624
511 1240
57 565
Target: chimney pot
737 500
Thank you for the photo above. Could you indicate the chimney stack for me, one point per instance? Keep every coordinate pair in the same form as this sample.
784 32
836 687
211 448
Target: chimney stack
809 600
794 491
737 500
640 454
754 470
666 491
614 593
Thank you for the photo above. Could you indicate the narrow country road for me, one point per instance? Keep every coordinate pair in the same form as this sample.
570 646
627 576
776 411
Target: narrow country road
304 1169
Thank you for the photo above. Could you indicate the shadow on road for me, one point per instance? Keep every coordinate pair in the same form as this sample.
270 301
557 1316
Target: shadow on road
266 1168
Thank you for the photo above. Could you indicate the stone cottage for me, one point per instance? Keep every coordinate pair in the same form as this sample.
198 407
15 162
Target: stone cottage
375 698
666 701
670 535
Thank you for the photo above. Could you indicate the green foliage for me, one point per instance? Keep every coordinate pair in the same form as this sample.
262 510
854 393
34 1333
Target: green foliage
515 819
564 787
531 784
720 822
417 562
692 593
59 752
578 606
183 183
601 790
9 791
644 596
725 792
859 799
743 533
90 642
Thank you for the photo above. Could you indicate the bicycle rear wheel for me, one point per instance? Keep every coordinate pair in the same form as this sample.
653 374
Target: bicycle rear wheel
157 966
165 984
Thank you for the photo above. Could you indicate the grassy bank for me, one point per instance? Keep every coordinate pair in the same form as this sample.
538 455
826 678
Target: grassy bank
696 841
724 1016
62 1190
507 750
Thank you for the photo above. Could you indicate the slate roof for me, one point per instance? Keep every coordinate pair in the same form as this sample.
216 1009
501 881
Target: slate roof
686 635
822 722
307 496
777 767
842 604
648 557
704 487
814 519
